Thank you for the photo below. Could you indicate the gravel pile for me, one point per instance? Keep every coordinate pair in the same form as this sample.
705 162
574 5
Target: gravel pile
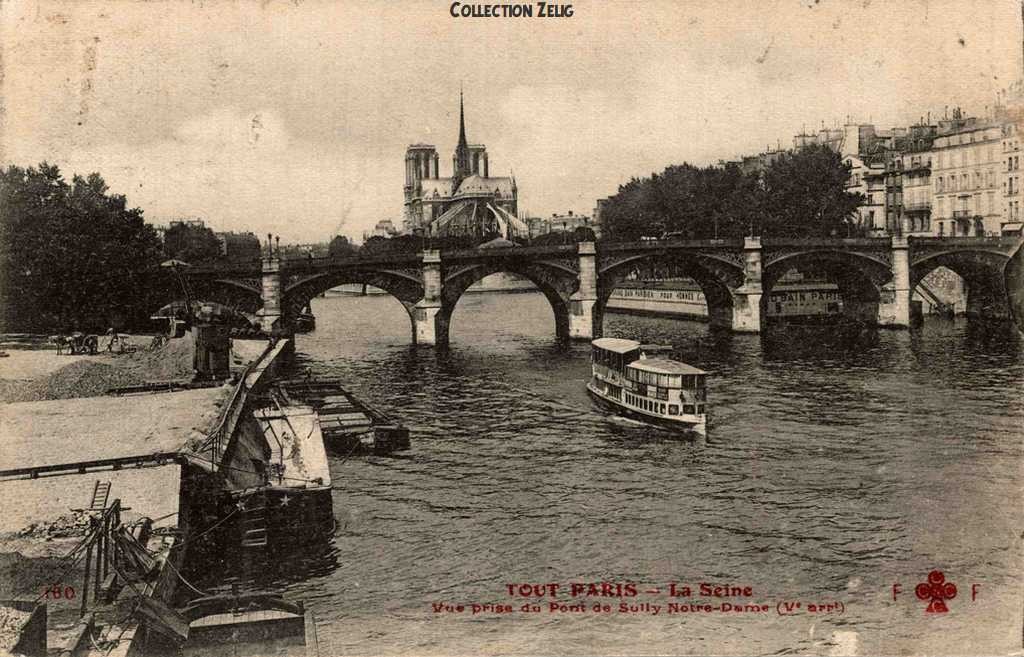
84 378
170 362
94 376
70 524
11 622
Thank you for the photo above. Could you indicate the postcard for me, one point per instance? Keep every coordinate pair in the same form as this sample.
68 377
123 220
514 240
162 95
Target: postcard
511 328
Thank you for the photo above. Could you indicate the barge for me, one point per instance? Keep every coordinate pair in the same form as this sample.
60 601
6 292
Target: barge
349 425
233 624
294 503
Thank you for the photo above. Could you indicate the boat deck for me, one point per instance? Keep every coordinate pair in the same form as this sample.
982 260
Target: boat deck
349 425
296 445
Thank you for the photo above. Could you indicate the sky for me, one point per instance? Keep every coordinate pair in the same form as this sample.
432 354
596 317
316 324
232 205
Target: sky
293 117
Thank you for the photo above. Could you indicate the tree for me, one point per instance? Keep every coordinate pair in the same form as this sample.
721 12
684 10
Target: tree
799 194
71 256
191 242
805 194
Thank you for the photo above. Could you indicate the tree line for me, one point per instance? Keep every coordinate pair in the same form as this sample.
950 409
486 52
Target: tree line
798 194
73 256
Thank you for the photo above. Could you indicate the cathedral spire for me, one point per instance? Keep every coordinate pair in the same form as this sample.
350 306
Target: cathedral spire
462 123
461 168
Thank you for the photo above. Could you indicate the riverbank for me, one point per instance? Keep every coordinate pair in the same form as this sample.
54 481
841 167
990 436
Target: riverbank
41 374
89 470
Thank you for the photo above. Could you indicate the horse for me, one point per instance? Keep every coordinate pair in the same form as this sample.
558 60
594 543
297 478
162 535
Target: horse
61 342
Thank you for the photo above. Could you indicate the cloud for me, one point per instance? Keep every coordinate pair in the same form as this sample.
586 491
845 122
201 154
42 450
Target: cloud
294 117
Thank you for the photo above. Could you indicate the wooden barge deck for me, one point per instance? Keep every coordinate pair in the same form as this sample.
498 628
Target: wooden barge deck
349 425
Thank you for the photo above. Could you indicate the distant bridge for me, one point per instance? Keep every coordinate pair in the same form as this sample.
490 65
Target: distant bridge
876 277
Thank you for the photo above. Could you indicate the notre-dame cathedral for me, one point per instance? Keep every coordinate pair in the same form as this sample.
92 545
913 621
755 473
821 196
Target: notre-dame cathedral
469 203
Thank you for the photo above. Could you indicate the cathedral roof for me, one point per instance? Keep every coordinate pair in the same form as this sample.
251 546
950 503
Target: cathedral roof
477 184
442 186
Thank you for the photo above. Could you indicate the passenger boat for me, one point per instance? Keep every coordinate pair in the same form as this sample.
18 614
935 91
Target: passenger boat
659 391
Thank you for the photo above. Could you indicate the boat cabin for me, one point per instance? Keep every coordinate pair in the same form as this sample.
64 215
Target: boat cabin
610 356
672 387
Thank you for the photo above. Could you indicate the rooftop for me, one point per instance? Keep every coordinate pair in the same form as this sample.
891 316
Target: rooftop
664 366
617 345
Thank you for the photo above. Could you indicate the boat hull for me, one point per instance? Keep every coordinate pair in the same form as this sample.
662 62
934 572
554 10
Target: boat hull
679 425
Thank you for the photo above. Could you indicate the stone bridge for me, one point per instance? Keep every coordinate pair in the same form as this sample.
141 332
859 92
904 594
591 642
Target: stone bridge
876 277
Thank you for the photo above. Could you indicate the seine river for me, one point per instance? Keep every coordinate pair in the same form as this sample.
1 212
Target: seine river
834 468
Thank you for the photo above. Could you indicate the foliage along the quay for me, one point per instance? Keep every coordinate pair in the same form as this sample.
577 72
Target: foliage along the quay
798 194
72 255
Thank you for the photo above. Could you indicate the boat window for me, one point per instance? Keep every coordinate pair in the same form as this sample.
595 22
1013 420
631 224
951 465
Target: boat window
675 381
701 394
700 409
673 409
688 409
700 380
661 408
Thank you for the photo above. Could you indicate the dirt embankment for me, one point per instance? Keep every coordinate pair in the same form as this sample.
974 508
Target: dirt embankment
94 375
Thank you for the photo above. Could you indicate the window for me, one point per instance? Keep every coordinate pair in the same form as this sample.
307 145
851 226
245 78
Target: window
673 409
700 409
688 409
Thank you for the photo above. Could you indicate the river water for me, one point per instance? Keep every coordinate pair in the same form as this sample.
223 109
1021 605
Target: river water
835 467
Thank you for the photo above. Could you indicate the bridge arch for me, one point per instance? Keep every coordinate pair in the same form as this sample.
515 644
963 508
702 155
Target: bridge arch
300 290
860 277
556 281
244 295
983 273
717 278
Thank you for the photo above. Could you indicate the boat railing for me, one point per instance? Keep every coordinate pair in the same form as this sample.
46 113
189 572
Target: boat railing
218 438
220 604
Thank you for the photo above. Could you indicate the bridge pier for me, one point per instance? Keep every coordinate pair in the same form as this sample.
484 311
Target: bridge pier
746 299
269 315
425 314
894 297
583 300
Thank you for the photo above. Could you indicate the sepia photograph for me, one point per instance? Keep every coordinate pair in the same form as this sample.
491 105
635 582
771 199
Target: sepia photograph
435 328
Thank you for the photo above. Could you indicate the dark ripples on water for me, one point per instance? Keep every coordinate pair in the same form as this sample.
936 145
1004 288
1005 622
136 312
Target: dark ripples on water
835 466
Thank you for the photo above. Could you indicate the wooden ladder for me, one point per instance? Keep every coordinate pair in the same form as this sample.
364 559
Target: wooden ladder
254 522
100 493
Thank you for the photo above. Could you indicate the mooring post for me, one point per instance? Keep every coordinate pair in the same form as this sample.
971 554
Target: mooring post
88 565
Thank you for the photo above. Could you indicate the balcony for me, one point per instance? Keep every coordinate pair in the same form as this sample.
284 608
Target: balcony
917 206
961 214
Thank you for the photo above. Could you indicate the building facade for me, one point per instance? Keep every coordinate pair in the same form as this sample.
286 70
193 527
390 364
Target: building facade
468 203
867 177
1012 222
965 177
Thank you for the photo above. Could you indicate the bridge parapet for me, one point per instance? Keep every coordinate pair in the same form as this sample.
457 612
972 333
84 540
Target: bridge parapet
578 278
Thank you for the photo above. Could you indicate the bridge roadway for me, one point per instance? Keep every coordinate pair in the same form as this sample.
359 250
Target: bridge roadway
876 277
